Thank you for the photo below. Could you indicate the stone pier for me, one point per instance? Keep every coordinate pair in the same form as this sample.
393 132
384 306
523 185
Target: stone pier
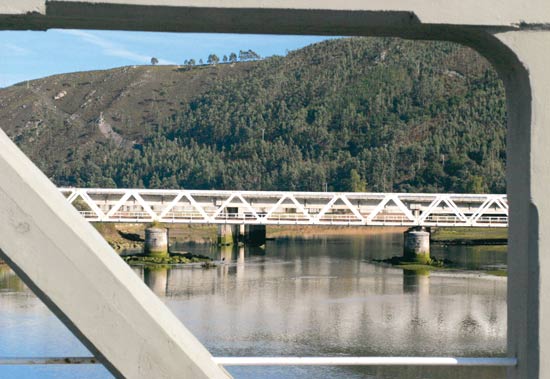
156 242
416 246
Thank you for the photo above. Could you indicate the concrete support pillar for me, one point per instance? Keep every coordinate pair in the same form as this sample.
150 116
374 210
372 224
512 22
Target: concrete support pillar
416 246
255 235
228 234
525 72
156 242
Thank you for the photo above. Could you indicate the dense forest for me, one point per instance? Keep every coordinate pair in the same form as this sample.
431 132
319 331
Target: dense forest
353 114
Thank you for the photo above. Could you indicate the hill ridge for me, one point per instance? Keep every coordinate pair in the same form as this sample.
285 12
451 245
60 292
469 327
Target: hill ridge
356 113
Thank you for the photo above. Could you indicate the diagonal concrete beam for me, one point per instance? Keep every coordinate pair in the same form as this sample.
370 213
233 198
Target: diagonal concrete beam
63 259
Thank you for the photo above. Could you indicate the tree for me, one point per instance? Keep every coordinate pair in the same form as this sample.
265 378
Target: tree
248 55
225 58
201 62
232 57
191 62
356 183
243 55
154 61
475 184
213 59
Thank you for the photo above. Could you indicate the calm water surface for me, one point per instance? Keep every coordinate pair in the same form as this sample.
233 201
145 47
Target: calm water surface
318 296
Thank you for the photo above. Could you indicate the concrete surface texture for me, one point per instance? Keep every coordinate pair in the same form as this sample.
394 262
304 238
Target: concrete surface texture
115 314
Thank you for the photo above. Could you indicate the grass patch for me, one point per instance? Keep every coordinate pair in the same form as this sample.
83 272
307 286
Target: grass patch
420 267
172 259
501 272
445 234
401 262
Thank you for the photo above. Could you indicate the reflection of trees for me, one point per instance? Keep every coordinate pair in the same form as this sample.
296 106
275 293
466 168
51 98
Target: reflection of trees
416 281
469 326
9 281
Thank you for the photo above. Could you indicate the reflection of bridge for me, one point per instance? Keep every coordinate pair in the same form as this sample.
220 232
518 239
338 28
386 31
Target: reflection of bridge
289 208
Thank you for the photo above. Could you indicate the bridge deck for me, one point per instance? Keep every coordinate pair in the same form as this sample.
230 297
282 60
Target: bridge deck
289 208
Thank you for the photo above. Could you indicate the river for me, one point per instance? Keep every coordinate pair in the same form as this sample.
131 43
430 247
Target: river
315 296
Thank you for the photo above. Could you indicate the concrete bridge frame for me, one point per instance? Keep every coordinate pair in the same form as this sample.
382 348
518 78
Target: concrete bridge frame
515 37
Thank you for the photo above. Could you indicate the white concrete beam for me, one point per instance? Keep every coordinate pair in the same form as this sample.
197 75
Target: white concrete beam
464 12
80 278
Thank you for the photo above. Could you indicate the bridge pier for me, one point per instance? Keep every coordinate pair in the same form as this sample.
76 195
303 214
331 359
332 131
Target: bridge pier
416 245
228 234
156 242
254 235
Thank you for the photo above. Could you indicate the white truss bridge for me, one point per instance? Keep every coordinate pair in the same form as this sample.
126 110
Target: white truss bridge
288 208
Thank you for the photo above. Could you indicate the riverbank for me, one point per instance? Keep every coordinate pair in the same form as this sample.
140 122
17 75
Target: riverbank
469 236
131 236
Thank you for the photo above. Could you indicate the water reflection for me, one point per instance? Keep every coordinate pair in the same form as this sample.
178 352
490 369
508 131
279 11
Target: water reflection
156 279
314 297
323 297
9 282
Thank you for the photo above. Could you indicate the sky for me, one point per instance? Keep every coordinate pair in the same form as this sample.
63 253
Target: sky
26 55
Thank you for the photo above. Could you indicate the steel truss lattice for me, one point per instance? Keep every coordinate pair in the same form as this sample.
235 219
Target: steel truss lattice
289 208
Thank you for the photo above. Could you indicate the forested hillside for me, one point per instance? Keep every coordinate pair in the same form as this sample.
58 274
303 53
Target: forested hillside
352 114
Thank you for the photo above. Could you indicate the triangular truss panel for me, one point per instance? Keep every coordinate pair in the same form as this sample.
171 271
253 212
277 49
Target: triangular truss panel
443 210
182 207
287 209
493 212
83 203
340 211
391 211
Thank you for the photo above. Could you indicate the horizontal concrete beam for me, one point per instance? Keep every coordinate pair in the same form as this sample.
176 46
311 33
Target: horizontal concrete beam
350 17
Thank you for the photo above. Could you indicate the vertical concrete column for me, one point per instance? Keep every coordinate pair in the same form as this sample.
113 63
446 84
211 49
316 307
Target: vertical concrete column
527 79
156 242
255 235
228 234
416 246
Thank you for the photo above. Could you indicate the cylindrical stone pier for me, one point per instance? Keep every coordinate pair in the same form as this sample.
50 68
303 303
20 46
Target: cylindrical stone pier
156 242
416 247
